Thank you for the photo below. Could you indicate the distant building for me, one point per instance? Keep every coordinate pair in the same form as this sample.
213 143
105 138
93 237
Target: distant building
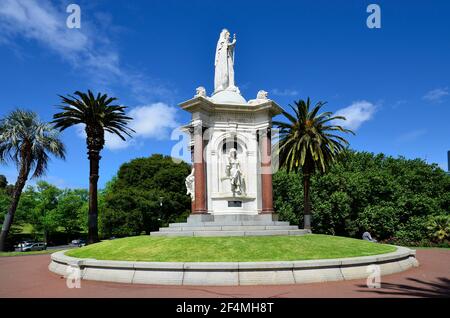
448 162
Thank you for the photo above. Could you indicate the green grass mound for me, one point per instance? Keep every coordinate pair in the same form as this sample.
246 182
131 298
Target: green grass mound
229 249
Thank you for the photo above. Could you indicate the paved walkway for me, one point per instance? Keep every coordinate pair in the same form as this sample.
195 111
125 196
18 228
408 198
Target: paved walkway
28 276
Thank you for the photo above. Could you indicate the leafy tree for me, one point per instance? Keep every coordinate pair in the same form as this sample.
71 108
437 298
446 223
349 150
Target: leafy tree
394 198
5 201
44 217
414 231
98 114
26 208
3 182
27 142
146 193
380 220
308 143
69 210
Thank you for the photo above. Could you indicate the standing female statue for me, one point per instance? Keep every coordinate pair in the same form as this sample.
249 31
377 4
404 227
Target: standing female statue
224 62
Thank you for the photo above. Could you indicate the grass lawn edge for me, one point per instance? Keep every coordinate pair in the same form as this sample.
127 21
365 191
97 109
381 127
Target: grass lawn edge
230 249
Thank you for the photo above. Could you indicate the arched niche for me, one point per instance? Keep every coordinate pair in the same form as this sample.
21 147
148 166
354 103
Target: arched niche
223 147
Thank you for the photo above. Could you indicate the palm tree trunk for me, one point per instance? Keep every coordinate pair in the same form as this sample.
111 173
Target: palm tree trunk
306 201
94 161
9 217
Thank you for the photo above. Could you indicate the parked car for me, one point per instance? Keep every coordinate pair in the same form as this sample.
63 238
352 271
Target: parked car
79 242
40 246
23 244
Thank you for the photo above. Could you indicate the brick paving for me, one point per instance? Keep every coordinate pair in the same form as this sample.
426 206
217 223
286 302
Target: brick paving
28 276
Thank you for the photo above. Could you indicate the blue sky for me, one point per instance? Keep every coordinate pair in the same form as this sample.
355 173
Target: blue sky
392 83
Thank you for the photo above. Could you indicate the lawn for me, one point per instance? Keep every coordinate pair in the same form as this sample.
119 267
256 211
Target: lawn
229 249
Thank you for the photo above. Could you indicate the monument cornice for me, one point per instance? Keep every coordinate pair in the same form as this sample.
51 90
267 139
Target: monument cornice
202 104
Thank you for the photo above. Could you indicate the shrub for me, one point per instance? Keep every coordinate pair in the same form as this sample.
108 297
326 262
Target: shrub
439 228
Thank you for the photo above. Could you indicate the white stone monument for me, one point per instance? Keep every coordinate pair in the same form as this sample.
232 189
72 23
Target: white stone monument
231 157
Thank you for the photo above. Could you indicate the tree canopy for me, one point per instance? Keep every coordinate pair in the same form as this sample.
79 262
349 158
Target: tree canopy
391 198
146 193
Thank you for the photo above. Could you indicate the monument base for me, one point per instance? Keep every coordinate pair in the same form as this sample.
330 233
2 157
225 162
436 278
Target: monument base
230 225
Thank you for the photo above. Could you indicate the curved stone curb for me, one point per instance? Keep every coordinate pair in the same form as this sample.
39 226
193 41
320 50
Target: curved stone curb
234 273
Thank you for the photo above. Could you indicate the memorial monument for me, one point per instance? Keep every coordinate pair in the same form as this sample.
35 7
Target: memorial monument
230 142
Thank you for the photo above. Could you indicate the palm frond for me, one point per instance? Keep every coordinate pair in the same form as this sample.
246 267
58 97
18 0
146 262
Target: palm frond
25 140
308 140
96 112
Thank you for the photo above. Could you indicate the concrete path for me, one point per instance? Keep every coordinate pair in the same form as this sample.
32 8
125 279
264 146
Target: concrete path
28 276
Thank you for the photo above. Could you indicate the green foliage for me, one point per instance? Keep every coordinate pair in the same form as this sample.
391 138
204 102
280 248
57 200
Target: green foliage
308 141
3 182
5 201
439 227
393 199
146 194
380 220
27 142
69 213
98 113
288 196
49 210
414 231
44 215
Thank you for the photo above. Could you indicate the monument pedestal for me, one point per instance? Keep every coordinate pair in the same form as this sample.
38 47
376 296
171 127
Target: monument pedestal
230 225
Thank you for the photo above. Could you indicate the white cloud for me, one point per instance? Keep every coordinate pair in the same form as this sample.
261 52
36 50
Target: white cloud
436 95
284 92
46 23
149 121
356 114
88 49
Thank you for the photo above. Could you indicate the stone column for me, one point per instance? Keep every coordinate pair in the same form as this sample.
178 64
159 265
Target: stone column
266 171
199 165
192 160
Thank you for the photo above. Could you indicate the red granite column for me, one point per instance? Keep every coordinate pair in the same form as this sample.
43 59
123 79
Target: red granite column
193 200
266 171
199 166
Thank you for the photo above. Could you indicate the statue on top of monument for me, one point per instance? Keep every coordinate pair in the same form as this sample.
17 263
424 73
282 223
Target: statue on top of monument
224 63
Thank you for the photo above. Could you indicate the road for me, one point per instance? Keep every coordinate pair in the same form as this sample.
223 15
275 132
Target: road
28 276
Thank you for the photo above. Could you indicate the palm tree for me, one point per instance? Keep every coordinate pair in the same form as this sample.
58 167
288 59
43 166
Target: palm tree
308 142
27 142
98 114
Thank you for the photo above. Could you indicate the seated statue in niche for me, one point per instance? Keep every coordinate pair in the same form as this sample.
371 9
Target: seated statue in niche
234 173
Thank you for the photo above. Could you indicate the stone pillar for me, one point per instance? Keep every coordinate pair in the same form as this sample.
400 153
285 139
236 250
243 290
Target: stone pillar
199 166
266 171
192 160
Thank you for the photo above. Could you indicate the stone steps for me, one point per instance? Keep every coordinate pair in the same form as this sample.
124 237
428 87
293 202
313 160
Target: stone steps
225 224
231 233
230 225
228 228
